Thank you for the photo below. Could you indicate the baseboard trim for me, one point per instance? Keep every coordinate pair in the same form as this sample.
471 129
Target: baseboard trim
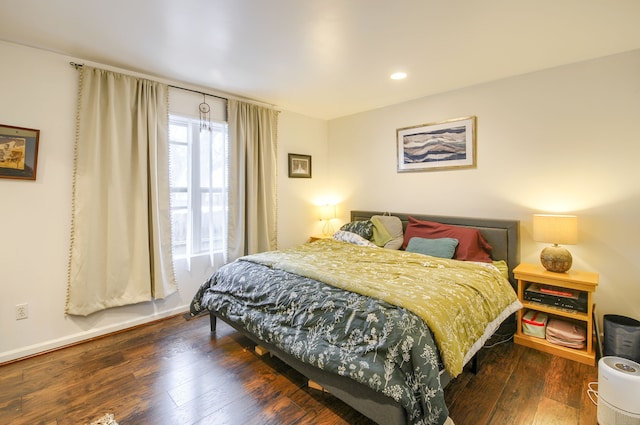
82 337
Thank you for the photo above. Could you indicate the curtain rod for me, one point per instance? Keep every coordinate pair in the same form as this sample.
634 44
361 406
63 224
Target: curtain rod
79 65
199 92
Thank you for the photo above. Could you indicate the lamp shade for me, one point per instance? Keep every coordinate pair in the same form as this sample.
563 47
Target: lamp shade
555 229
327 212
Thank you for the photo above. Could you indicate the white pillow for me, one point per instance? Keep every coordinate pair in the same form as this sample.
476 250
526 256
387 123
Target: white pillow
354 238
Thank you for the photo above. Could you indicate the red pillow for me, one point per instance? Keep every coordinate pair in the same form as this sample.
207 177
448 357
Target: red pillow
472 246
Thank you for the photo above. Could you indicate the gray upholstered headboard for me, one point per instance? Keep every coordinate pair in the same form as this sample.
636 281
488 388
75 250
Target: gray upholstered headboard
502 235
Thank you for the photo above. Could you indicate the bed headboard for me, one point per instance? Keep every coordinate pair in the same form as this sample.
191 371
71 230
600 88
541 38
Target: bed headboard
502 235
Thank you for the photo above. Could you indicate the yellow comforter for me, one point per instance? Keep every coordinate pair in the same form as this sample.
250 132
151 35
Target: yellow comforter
458 300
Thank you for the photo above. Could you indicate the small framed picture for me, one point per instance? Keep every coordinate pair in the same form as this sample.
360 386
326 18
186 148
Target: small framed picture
443 145
18 152
299 165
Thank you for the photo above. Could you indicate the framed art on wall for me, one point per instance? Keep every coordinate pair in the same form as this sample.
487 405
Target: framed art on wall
299 165
437 146
18 152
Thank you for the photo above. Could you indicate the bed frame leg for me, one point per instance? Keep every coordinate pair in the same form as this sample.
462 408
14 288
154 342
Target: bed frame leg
213 320
475 367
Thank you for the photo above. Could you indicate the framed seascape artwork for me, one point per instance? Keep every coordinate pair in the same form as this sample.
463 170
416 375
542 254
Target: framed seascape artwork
299 165
437 146
18 152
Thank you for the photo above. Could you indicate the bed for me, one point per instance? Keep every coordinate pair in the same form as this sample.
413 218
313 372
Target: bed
325 308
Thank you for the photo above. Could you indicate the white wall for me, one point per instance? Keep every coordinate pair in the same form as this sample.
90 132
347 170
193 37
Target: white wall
561 140
298 198
39 91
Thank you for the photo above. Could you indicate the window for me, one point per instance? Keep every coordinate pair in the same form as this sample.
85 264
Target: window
198 175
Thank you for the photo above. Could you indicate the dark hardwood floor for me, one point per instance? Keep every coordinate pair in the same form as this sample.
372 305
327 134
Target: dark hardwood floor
175 372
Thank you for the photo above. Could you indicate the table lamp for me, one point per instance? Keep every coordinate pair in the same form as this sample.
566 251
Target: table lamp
327 213
555 229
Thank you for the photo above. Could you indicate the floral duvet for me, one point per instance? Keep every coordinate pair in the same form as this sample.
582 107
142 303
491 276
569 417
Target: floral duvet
347 332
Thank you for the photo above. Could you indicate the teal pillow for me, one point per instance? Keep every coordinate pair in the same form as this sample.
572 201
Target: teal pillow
441 247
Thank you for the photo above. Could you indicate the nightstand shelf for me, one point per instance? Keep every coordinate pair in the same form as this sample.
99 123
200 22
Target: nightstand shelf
573 279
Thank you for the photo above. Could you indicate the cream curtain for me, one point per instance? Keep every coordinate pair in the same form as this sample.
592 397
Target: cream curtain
252 182
121 240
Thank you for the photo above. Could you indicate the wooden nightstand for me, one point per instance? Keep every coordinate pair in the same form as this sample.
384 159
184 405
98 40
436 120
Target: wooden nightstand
573 279
314 238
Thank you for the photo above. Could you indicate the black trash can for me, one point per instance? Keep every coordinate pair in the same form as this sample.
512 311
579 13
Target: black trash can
622 337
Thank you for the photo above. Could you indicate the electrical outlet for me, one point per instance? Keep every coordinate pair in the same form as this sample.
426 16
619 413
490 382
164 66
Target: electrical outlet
22 311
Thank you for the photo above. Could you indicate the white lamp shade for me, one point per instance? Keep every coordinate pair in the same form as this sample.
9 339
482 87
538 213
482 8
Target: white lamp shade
556 229
327 212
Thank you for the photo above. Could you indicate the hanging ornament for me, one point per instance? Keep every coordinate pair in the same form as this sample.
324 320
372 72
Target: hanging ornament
205 118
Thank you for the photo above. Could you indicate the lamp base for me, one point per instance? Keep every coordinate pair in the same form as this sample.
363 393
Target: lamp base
556 259
327 228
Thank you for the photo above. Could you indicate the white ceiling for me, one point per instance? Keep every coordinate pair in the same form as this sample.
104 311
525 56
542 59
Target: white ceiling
326 58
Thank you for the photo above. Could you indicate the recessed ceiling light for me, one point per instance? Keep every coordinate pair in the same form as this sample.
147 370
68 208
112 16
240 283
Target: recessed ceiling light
399 76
